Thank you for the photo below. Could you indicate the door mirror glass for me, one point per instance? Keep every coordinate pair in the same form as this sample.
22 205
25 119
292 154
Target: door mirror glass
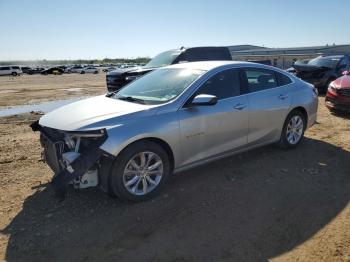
204 100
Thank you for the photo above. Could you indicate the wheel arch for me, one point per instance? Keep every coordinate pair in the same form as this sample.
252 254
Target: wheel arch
158 141
302 110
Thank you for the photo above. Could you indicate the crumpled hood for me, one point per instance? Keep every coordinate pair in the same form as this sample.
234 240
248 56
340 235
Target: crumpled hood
310 68
93 113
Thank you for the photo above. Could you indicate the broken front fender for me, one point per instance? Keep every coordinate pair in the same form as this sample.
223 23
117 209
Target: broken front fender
58 143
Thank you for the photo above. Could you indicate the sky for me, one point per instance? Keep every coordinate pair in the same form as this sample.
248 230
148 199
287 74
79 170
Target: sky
68 29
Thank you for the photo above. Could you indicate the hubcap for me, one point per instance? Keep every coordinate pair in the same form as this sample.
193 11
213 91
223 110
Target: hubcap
295 130
143 173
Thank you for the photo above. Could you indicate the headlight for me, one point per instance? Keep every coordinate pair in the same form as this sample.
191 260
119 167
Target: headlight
331 87
73 139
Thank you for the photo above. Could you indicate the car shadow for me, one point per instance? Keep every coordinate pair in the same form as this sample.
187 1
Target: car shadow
341 114
248 207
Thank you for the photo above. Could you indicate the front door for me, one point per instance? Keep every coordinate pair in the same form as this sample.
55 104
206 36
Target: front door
208 131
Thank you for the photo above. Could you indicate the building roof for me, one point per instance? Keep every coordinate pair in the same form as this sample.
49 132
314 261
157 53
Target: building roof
320 50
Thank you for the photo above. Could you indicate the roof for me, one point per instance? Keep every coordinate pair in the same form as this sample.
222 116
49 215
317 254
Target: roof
207 65
328 49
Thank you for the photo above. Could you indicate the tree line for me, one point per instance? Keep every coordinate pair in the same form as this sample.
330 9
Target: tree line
139 60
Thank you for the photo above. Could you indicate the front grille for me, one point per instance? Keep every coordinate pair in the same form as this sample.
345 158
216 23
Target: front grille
115 82
343 92
52 152
53 143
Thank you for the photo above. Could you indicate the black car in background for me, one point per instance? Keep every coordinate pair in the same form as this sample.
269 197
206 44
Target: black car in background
322 70
32 71
118 78
52 70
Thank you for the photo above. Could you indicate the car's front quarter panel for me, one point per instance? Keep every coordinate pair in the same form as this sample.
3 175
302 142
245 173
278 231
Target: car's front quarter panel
163 126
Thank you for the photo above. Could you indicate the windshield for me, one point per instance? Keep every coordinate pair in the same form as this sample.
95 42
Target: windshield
159 86
302 62
329 62
163 59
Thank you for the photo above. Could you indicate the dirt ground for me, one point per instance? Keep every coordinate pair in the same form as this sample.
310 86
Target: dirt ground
264 205
30 89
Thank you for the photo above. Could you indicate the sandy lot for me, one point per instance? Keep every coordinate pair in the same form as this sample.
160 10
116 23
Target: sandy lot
30 89
264 205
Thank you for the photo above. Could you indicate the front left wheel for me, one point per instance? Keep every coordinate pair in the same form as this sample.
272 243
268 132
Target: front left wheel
140 172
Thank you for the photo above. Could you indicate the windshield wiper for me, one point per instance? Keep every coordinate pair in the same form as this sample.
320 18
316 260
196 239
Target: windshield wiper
131 99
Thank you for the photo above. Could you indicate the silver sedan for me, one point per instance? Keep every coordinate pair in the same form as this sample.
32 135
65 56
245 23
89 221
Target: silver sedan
173 119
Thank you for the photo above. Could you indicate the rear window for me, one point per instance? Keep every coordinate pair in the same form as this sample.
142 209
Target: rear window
260 79
283 79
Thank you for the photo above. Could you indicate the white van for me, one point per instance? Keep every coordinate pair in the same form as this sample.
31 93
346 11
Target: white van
10 70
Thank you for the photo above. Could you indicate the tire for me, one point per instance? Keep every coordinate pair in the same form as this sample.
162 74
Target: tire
14 73
286 139
118 180
82 72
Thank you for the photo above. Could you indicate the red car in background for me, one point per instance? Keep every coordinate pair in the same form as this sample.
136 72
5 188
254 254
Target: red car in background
338 94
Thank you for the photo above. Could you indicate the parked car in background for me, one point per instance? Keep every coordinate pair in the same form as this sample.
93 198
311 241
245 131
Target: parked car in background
298 62
53 70
32 71
26 69
10 70
75 69
338 94
322 70
172 119
89 70
109 69
120 77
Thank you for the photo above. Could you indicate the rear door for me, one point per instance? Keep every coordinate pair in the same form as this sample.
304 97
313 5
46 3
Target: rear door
207 131
269 103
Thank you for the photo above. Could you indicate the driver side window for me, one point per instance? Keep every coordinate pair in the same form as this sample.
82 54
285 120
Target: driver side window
223 85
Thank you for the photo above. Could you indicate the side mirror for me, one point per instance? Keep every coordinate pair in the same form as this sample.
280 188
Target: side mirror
204 100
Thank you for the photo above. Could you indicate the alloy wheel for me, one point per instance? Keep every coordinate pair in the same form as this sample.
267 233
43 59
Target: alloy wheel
295 129
143 173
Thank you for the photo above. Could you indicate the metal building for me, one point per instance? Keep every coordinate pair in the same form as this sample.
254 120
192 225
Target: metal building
284 57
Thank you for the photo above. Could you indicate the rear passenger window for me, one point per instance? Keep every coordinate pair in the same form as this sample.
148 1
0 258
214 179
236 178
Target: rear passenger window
5 68
260 79
283 79
222 85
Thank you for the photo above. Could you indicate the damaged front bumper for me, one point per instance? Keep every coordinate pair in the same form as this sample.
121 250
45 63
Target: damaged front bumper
73 156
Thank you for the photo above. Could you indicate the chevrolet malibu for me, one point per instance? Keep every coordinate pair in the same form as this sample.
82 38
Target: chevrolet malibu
173 119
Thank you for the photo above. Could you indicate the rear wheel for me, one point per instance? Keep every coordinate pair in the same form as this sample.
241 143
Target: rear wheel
293 129
14 73
82 72
140 172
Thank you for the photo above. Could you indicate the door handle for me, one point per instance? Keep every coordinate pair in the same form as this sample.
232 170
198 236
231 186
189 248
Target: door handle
282 97
239 106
